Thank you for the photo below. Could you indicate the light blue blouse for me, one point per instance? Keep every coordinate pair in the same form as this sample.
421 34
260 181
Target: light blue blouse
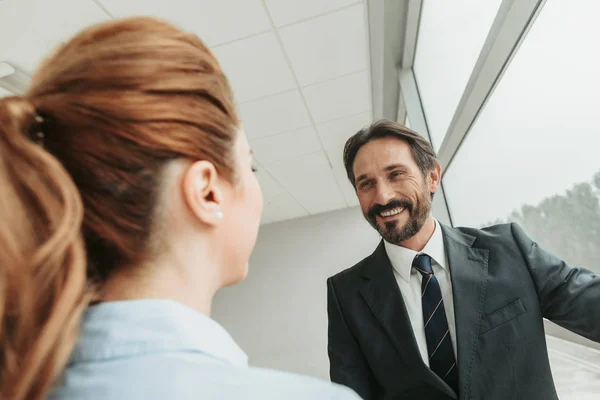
161 349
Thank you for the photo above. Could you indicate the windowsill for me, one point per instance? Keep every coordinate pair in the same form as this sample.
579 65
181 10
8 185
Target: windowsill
575 368
559 332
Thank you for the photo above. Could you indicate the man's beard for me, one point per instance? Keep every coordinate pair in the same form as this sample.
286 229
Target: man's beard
417 216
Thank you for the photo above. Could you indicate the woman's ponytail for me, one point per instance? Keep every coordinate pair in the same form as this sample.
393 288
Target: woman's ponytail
42 261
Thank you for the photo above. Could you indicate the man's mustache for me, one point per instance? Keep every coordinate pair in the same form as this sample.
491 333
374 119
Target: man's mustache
378 208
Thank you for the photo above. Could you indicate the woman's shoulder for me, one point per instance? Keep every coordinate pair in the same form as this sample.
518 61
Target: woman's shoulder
188 376
277 384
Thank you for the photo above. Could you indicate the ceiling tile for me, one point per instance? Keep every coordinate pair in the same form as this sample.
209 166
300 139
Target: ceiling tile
327 47
31 29
283 207
256 67
339 98
334 134
311 181
289 11
279 204
285 145
342 179
4 93
264 219
215 21
275 114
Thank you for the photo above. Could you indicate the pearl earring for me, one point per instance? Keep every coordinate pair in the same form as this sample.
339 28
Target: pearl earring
219 215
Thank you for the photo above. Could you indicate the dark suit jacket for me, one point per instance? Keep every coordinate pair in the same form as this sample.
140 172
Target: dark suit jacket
503 285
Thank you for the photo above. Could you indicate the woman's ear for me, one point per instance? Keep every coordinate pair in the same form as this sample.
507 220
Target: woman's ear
202 193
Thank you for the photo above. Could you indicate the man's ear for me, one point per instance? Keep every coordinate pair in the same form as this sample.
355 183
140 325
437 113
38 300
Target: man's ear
202 193
434 178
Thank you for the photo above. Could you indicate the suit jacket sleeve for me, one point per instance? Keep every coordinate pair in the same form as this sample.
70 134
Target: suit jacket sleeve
569 296
347 364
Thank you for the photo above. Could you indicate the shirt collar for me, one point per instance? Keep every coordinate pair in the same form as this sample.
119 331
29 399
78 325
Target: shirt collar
402 258
136 327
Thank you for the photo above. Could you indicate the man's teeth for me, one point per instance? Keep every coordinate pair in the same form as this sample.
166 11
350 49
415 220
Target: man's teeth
391 212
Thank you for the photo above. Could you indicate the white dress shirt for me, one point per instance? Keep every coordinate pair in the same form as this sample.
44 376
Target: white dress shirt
409 282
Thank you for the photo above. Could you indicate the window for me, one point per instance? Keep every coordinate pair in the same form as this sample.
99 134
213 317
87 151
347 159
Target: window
532 155
451 35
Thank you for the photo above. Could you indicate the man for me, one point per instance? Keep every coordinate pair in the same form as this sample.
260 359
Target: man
443 313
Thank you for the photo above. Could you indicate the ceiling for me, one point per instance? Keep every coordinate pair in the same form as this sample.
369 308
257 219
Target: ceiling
299 70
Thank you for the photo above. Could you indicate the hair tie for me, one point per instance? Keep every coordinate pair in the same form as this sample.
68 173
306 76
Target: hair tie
37 131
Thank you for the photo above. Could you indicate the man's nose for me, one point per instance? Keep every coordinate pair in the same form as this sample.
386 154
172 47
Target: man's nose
384 194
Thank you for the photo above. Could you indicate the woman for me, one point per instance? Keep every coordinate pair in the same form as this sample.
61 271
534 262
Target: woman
126 182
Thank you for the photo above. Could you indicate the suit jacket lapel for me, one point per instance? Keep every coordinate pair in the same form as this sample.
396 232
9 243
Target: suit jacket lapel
383 296
469 273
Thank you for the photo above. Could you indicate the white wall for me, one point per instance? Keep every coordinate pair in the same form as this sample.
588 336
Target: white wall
278 314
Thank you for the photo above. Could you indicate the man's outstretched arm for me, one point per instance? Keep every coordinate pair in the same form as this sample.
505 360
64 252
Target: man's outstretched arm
569 296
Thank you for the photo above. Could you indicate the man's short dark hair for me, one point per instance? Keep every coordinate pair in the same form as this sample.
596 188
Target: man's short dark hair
421 149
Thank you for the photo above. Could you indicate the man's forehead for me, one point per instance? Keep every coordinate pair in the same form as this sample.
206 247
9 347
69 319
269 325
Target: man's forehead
379 154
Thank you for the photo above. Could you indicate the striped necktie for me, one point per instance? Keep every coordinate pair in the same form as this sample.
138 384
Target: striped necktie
439 345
